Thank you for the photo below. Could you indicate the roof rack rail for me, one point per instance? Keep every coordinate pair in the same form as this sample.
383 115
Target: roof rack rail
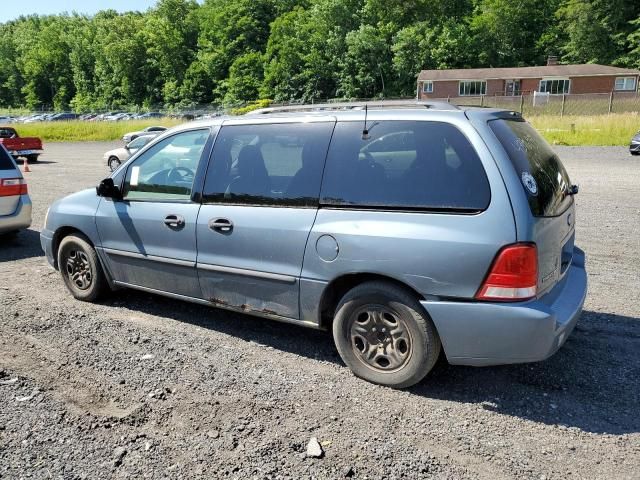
358 105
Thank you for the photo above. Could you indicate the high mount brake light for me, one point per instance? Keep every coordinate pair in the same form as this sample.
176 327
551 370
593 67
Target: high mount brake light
513 275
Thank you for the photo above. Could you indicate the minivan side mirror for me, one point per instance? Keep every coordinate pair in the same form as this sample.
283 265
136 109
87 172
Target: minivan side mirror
108 189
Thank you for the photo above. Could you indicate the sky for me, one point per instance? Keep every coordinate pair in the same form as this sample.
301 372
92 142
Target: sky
12 9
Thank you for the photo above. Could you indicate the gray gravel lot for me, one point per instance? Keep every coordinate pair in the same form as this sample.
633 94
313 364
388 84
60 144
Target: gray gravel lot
144 387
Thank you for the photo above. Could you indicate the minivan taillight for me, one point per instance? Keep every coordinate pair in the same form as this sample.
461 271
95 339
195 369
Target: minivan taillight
12 186
513 275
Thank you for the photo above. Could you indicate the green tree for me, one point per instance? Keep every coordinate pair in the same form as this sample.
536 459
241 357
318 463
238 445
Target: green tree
229 29
246 76
632 59
366 64
424 47
43 61
595 31
11 80
170 37
507 33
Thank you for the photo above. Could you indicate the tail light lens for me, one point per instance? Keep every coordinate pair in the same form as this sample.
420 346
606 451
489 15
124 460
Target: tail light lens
513 275
12 186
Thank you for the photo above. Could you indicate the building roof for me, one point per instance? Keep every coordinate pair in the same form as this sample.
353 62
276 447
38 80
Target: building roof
584 70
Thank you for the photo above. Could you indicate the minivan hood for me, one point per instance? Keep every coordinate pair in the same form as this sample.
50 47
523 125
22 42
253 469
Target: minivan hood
76 203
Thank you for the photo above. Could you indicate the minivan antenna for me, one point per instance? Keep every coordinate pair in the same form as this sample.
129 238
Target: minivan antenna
365 131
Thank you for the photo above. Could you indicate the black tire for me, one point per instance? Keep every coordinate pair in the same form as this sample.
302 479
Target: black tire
409 347
634 153
76 257
32 158
113 162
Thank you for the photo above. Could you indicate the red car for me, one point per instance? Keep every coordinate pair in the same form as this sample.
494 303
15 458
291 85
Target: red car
28 148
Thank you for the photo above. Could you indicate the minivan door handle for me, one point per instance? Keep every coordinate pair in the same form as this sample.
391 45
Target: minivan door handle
174 221
221 225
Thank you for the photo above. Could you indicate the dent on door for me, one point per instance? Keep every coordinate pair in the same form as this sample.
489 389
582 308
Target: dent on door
249 258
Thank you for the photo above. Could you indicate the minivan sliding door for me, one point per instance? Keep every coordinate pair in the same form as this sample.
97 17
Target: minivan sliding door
260 200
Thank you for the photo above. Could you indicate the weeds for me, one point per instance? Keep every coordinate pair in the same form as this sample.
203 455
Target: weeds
607 130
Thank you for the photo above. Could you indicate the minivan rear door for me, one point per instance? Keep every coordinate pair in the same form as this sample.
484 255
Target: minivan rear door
260 201
549 193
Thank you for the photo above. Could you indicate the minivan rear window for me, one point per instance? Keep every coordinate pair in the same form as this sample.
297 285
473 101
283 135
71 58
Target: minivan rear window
5 160
419 165
542 175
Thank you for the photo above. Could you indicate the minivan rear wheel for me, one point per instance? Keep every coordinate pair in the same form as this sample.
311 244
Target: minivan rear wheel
384 335
81 269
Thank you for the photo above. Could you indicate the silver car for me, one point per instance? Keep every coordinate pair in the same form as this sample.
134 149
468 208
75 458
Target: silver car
114 158
406 229
15 204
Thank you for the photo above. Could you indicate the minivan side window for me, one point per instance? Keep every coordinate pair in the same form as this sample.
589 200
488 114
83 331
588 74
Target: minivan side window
167 169
269 165
404 165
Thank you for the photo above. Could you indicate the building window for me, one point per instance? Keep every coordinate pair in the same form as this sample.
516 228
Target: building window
427 87
626 83
512 87
555 86
473 87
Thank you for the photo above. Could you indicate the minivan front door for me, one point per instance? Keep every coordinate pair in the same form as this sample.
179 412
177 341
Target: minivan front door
149 237
260 201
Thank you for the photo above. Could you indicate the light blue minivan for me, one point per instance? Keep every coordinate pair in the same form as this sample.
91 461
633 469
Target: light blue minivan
406 228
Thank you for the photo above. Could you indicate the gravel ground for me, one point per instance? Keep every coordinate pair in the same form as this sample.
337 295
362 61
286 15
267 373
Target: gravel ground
141 386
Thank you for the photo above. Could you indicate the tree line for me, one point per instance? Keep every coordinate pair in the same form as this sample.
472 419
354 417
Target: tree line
225 52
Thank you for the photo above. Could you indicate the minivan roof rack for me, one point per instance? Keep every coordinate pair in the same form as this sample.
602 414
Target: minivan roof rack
357 105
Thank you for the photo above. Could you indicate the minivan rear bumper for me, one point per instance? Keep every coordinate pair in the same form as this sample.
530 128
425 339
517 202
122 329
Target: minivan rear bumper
19 219
480 333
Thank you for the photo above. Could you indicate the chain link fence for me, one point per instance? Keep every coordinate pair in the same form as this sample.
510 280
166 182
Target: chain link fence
529 105
560 105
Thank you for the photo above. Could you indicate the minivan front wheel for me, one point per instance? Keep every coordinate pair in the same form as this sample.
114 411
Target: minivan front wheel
80 268
384 335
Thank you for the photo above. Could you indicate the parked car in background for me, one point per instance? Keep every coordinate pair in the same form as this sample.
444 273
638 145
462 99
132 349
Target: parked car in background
6 120
411 228
15 204
63 117
148 115
634 146
127 137
28 148
114 158
39 117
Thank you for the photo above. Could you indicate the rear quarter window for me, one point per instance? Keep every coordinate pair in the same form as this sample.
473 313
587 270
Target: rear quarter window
404 165
543 177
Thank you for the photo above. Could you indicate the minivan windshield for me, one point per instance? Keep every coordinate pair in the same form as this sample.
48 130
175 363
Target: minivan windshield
542 175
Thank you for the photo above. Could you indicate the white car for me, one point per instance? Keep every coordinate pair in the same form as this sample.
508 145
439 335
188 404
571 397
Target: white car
114 158
133 135
15 204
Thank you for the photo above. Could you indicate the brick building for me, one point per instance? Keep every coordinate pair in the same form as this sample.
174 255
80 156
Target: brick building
551 78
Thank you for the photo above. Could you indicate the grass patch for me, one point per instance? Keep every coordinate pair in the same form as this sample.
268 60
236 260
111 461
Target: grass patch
607 130
79 131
